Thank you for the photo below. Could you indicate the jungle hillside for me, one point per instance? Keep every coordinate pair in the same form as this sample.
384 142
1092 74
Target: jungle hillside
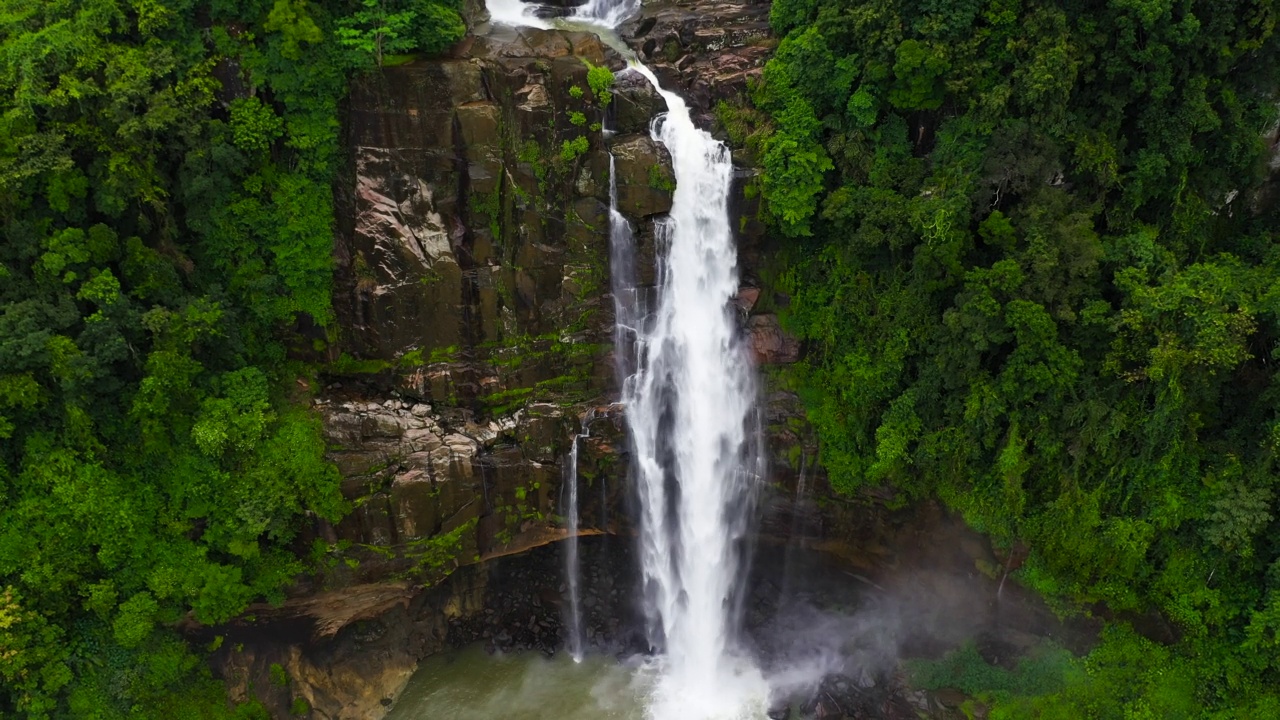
166 205
1031 249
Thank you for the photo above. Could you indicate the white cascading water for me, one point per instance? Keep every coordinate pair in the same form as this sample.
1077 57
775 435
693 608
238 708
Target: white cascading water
622 283
689 408
573 569
515 13
609 13
689 395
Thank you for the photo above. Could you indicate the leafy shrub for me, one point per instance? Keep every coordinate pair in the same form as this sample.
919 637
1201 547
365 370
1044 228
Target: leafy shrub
254 126
437 26
572 149
600 79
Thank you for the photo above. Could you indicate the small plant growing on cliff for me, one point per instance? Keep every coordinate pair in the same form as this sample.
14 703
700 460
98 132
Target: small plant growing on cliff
279 677
528 152
573 148
660 179
575 92
300 707
600 79
532 154
577 118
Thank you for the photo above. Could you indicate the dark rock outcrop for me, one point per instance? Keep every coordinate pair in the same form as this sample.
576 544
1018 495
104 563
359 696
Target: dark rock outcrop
707 50
644 177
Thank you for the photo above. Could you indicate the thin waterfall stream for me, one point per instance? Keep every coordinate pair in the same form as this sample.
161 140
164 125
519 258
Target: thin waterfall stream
795 536
573 569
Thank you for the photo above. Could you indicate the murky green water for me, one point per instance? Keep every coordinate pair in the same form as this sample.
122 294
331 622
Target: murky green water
472 685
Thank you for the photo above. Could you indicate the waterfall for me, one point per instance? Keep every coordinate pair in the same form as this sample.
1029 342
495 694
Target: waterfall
608 13
689 407
622 283
689 393
515 13
573 568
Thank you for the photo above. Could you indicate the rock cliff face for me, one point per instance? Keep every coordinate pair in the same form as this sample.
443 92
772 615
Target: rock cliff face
476 332
473 295
474 279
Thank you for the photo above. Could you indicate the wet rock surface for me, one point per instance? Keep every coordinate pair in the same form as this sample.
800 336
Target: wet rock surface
707 50
433 490
770 344
645 181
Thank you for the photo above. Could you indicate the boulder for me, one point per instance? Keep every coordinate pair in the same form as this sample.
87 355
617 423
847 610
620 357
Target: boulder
635 103
644 176
770 344
707 50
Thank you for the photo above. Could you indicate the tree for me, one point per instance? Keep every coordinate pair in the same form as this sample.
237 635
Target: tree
375 30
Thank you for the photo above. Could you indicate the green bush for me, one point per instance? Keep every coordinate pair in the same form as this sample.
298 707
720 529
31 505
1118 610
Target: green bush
254 126
570 150
600 79
437 26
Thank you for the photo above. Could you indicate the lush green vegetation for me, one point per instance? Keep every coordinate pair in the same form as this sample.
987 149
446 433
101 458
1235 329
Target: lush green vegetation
1034 260
166 204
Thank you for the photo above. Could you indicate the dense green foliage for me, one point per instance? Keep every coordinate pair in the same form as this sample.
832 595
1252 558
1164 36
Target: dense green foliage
1034 260
166 209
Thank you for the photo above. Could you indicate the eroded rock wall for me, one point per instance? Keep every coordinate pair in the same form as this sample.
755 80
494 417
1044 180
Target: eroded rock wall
473 298
348 653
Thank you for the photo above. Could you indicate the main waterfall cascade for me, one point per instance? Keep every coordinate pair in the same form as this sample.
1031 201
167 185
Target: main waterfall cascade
689 393
689 408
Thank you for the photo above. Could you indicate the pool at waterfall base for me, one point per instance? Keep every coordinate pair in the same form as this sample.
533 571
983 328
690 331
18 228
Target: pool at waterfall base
471 684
